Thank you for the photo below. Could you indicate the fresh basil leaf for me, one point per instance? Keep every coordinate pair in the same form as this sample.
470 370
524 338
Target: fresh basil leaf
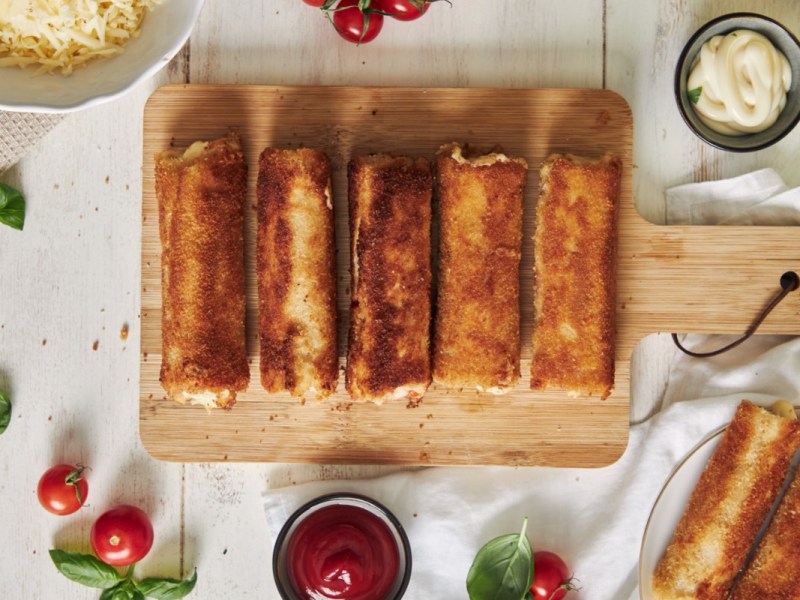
125 590
5 411
85 569
694 95
502 569
108 594
12 207
167 589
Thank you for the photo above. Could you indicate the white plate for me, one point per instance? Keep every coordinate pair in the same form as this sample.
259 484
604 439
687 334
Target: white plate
164 31
668 509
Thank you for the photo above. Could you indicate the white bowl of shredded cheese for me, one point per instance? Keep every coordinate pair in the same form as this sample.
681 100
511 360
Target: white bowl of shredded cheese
66 55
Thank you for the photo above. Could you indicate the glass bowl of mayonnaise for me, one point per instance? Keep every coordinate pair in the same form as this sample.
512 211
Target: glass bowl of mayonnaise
737 84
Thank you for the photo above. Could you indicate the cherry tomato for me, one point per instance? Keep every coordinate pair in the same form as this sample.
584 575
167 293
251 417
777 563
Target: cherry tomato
62 489
317 3
122 536
551 579
403 10
353 25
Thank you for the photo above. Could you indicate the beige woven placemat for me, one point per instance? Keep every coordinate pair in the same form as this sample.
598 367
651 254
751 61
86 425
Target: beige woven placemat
19 132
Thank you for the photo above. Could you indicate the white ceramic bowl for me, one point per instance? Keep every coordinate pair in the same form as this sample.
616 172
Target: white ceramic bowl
164 31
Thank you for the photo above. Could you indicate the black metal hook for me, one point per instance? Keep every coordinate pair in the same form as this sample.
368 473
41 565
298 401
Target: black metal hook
790 281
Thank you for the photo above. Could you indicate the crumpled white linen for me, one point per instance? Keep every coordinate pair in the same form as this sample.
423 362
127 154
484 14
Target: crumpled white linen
594 518
757 198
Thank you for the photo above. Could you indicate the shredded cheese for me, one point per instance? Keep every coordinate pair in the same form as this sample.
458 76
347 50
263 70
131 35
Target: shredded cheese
59 35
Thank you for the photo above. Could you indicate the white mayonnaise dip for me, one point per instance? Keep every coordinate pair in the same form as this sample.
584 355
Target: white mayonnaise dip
742 81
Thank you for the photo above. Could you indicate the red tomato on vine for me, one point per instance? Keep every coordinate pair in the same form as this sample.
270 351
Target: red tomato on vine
122 536
354 24
62 489
551 578
405 10
360 21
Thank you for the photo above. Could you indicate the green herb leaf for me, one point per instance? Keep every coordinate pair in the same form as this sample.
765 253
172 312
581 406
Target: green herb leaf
125 590
5 411
694 95
502 569
85 569
12 207
167 589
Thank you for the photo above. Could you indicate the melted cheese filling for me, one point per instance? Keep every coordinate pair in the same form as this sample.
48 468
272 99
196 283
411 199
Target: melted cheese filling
207 398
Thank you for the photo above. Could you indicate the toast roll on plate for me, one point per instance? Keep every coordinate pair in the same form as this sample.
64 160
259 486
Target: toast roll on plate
481 198
201 196
296 268
575 275
775 569
388 355
727 506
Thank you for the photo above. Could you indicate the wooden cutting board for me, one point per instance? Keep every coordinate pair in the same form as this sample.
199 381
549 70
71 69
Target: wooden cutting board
685 279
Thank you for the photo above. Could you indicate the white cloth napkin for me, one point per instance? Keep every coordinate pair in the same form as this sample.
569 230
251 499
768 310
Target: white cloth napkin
757 198
592 518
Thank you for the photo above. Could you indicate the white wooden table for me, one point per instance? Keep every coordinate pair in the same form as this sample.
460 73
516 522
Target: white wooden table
70 282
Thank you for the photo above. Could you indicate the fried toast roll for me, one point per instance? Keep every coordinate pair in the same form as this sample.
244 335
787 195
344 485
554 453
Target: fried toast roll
775 569
296 267
476 343
388 353
728 506
201 196
575 275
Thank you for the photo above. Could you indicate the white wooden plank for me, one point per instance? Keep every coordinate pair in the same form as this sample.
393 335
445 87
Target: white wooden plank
70 280
645 40
471 43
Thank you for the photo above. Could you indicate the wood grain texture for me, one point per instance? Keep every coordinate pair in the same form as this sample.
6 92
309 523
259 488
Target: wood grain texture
448 427
684 279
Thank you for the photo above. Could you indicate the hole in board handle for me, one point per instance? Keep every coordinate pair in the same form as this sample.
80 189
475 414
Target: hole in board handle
789 282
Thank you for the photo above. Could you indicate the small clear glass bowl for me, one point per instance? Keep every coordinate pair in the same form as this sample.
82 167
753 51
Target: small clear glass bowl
782 39
280 566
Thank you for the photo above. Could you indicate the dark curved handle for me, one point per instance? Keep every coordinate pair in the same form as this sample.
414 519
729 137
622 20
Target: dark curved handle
789 283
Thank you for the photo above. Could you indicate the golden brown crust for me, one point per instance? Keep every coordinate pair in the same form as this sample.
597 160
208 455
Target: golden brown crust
728 506
201 218
575 275
481 200
296 266
774 572
390 227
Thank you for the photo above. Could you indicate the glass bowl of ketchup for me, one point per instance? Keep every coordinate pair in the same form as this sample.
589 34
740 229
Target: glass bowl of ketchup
342 547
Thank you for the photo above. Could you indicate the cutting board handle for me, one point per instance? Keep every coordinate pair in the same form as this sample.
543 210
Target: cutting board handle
703 279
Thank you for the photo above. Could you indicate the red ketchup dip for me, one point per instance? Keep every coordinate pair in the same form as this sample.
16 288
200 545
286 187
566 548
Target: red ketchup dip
342 547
